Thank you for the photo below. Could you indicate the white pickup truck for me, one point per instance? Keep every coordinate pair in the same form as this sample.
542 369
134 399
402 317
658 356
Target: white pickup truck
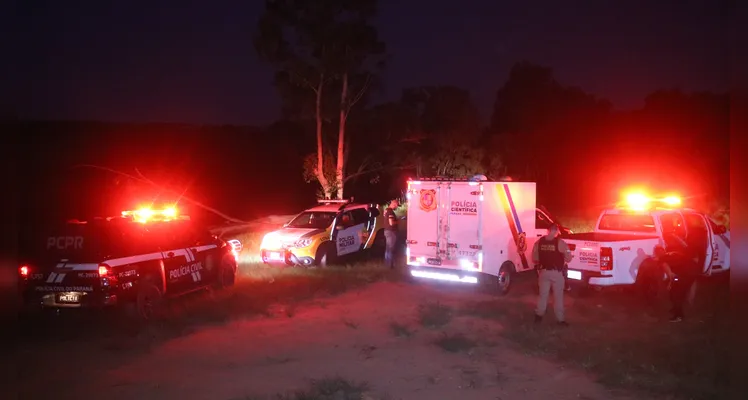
623 238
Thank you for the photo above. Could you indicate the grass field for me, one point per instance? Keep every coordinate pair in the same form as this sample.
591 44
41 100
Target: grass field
627 344
614 336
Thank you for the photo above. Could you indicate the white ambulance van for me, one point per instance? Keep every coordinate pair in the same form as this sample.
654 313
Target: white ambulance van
470 231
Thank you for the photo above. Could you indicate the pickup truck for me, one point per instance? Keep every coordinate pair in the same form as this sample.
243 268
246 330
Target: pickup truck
623 238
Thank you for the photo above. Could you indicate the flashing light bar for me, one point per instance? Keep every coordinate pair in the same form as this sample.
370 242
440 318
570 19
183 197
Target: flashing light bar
145 214
443 277
641 202
472 178
335 200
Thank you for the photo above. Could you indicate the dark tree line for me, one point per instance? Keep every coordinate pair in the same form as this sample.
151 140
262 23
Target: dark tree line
573 144
328 58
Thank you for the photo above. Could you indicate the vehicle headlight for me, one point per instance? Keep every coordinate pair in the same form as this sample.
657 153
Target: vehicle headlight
270 241
303 243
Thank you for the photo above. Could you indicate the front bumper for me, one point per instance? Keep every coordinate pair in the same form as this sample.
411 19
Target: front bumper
285 257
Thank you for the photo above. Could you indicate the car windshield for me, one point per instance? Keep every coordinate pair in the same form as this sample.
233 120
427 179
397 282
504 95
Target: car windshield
627 223
312 220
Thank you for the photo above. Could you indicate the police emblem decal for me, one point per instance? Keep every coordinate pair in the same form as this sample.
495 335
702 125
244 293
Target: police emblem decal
522 242
428 200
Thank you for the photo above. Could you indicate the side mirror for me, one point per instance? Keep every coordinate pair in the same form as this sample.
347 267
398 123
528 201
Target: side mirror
339 227
720 230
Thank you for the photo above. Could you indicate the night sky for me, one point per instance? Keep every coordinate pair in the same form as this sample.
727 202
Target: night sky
193 61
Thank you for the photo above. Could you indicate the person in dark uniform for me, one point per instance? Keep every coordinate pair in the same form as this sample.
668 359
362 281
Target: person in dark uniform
390 233
683 272
549 254
650 274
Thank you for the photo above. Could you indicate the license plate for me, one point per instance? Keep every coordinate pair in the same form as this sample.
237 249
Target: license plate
275 256
434 261
576 275
69 298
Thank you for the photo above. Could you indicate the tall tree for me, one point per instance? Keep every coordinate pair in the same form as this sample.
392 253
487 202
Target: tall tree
538 123
319 46
449 126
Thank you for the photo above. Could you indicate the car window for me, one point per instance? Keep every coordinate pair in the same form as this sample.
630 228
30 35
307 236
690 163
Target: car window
627 223
152 239
345 220
671 223
312 220
175 235
541 220
695 221
360 216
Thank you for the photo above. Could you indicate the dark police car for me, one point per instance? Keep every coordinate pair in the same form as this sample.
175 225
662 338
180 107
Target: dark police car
135 260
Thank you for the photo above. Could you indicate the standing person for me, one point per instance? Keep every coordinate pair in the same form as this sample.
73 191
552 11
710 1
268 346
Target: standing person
390 233
651 274
549 254
683 272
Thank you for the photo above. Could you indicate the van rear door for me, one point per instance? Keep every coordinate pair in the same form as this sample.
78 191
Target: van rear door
423 224
462 240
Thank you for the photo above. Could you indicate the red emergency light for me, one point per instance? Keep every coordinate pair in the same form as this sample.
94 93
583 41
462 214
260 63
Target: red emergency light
638 201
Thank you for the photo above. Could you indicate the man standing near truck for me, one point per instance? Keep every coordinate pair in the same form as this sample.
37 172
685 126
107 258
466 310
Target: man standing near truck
390 233
550 254
683 273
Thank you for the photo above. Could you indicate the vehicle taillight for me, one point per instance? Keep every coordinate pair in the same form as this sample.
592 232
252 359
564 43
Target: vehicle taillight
23 270
103 270
236 248
606 258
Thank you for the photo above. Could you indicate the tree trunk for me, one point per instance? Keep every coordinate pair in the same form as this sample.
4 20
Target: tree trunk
340 168
320 170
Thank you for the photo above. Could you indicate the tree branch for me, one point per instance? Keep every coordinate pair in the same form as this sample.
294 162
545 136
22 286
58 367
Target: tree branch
359 95
305 81
141 178
378 168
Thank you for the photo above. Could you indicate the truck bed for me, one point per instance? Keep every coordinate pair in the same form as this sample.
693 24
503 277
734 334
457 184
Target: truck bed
606 237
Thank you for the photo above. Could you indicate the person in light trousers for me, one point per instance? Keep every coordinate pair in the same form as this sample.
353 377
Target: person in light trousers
550 254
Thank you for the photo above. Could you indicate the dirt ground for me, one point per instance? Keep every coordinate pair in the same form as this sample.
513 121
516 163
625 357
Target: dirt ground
372 334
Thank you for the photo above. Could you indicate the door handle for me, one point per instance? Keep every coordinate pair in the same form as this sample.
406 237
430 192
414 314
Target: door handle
540 235
170 254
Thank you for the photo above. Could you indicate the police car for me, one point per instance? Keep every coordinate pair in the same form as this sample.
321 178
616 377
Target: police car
321 235
136 260
626 235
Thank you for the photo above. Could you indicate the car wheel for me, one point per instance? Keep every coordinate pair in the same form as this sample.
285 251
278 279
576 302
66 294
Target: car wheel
504 280
226 276
325 256
148 301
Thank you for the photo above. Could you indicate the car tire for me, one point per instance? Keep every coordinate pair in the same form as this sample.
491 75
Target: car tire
226 275
325 256
504 280
149 301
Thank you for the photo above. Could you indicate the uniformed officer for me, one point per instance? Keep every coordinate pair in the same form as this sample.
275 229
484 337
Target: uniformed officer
390 233
650 274
683 272
549 254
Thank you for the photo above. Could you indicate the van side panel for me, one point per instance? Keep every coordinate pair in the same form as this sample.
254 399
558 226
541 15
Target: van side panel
508 219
